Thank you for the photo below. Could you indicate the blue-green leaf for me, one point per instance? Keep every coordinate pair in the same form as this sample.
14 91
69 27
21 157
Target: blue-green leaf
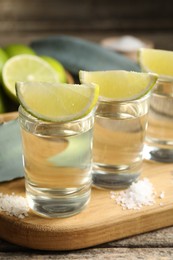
77 54
10 151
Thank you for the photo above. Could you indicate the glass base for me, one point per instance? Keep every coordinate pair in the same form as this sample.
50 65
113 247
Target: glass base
113 177
158 154
57 204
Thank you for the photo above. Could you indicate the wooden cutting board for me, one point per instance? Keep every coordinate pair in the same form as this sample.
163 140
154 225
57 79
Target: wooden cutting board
102 221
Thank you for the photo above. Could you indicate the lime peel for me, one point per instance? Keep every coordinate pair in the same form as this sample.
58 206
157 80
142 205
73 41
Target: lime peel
120 85
57 102
16 49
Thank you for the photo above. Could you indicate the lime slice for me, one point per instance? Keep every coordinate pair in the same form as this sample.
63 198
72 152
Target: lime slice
17 49
3 59
119 84
57 101
57 66
157 61
26 67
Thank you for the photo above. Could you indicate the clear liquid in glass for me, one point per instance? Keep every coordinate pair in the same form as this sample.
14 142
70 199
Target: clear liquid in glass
159 137
57 163
119 133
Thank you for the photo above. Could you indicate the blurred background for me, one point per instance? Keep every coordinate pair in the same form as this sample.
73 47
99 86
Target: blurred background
23 20
120 25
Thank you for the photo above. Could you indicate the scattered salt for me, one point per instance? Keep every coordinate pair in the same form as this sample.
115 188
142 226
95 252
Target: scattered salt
139 194
162 195
126 43
14 205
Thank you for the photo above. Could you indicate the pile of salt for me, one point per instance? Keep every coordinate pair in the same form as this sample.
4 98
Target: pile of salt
139 194
14 205
125 43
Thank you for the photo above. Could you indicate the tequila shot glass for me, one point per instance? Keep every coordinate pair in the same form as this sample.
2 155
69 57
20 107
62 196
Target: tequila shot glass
57 160
119 134
159 136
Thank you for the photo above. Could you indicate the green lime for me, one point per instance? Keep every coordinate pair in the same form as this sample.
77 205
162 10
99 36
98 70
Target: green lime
16 49
57 102
120 84
58 67
3 59
26 67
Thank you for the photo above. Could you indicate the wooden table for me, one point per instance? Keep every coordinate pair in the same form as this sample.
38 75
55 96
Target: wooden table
157 245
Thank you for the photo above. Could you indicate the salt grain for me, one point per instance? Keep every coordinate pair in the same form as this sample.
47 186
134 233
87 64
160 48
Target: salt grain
126 43
139 194
162 195
14 205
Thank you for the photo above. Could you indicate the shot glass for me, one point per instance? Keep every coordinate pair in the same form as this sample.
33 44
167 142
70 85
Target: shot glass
119 133
57 160
159 136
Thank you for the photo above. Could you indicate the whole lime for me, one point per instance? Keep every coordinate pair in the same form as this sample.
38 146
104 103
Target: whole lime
16 49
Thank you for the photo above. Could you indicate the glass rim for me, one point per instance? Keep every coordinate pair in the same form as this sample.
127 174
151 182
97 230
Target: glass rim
114 101
164 79
26 115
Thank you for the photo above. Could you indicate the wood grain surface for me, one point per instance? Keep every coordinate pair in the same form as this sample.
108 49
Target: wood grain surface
8 116
156 245
102 221
52 15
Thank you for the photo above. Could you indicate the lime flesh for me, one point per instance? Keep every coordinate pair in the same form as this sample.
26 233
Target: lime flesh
119 84
58 67
26 67
157 61
57 102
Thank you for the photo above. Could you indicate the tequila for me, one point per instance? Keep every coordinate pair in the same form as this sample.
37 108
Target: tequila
57 163
159 138
119 134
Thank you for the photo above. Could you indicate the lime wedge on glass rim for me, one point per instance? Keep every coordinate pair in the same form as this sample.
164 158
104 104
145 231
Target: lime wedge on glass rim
120 85
26 67
157 61
57 102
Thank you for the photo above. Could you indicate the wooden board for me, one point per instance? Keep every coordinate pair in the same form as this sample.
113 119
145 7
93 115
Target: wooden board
100 222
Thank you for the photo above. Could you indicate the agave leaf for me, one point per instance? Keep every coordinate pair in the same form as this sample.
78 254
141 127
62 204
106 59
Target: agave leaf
10 151
77 54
